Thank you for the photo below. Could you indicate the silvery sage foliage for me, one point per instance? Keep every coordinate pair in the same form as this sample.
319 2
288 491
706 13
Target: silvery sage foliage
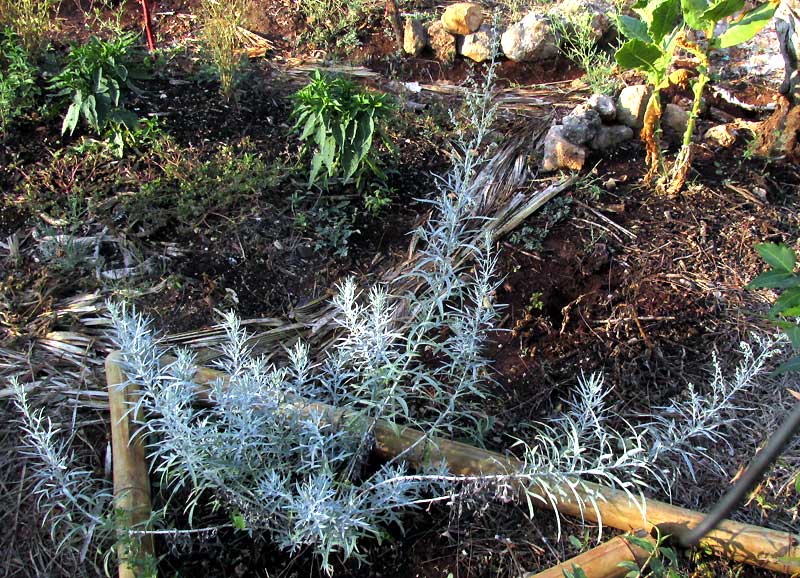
589 441
261 446
71 500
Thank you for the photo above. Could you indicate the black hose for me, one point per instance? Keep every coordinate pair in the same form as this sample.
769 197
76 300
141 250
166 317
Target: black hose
758 467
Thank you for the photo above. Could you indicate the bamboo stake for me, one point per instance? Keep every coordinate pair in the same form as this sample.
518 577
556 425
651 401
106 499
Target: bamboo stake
602 561
131 480
763 547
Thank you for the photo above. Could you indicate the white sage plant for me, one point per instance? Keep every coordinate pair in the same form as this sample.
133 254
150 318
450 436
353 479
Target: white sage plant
71 500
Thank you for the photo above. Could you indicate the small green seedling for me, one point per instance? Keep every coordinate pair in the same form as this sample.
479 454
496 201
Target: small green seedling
785 312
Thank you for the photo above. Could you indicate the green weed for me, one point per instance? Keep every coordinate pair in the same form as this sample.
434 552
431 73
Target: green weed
18 89
94 81
342 126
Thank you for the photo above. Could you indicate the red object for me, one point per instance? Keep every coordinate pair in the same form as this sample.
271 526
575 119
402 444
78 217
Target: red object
147 26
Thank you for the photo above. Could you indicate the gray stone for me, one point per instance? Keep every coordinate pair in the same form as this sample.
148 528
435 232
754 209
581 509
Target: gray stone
442 42
581 124
530 40
722 135
596 12
559 153
415 37
674 119
604 105
462 18
478 45
610 137
787 26
631 105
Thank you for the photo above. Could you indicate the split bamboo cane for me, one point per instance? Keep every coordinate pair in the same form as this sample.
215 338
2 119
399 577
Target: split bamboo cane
763 547
602 561
131 480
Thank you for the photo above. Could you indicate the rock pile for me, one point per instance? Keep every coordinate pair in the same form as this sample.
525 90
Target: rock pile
462 30
598 124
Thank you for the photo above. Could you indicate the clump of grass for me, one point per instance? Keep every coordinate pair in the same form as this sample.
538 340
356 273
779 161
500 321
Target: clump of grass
31 19
220 21
578 42
335 21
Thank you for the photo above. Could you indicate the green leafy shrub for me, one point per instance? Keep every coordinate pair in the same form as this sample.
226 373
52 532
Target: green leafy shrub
785 313
94 81
652 42
18 90
339 122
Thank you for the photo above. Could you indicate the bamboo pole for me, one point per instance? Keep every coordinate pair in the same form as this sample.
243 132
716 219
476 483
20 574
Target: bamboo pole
132 505
763 547
602 561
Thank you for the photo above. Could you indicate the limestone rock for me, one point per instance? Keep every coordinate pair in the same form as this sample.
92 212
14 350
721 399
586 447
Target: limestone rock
442 42
787 26
610 137
604 105
462 18
415 37
530 40
631 105
581 124
722 135
596 12
560 153
674 119
478 45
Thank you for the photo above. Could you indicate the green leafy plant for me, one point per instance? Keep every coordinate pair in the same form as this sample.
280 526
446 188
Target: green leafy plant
651 46
339 122
94 80
18 89
653 566
785 312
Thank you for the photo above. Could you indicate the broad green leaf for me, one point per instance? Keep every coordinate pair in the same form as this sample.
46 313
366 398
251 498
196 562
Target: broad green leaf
722 9
779 257
797 483
792 330
89 110
666 16
321 133
749 25
633 28
791 365
329 154
645 545
124 116
71 119
640 55
788 299
630 565
311 124
316 164
693 11
775 280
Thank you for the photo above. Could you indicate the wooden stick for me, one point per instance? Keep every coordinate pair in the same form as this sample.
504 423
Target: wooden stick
763 547
602 561
132 505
